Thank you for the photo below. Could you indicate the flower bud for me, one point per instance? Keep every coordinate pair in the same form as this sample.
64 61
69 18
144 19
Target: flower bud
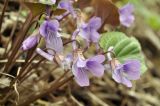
29 43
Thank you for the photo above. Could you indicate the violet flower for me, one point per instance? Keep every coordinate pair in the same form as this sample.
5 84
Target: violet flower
67 5
82 66
124 73
126 15
89 31
49 30
64 62
30 42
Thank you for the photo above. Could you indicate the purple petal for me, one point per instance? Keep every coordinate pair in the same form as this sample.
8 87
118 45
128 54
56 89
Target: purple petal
127 20
117 76
126 15
95 68
85 32
68 6
126 82
51 25
80 75
42 29
132 69
44 54
55 43
81 63
98 58
128 8
82 78
94 36
95 23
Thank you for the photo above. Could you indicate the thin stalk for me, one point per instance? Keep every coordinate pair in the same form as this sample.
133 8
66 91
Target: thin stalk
17 45
25 67
26 75
3 12
47 74
12 33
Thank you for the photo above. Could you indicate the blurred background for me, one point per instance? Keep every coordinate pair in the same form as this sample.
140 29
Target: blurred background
104 91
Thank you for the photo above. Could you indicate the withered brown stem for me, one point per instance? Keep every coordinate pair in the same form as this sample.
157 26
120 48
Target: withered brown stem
56 84
18 43
3 12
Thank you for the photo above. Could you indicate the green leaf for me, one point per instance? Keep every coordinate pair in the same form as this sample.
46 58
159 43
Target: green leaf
112 39
124 47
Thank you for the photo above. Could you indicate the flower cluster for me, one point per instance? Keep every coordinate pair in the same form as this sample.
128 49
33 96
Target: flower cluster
81 66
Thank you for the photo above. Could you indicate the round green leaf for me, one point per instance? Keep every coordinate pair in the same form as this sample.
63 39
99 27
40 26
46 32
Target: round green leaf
124 47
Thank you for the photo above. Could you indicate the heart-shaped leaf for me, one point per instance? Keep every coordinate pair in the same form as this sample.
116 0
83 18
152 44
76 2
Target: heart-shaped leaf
59 11
105 9
124 47
39 8
35 8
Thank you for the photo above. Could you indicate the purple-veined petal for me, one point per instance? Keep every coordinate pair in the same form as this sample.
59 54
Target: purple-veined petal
95 68
97 58
44 54
53 25
126 82
75 69
81 63
117 74
46 26
95 23
94 37
85 32
54 42
82 77
132 69
42 29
